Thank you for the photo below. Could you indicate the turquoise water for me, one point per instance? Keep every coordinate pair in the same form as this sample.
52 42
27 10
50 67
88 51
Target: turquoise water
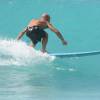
27 74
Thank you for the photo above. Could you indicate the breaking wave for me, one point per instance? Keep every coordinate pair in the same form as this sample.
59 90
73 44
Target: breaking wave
14 52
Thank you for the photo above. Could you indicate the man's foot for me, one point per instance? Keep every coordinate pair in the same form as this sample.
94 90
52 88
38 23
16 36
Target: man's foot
32 45
44 51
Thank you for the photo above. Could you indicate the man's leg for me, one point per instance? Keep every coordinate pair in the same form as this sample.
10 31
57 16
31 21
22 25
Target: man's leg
44 42
32 45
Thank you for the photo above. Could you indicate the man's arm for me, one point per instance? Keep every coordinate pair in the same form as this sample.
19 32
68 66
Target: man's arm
21 34
52 28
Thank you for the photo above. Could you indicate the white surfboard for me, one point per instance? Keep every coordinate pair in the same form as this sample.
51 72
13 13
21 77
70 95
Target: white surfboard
79 54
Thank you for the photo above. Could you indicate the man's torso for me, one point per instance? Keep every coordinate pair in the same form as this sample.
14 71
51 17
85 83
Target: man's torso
42 24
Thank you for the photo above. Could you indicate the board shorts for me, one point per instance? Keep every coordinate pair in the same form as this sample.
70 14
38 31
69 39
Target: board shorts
35 33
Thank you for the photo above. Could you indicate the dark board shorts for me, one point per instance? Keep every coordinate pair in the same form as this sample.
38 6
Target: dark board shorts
35 33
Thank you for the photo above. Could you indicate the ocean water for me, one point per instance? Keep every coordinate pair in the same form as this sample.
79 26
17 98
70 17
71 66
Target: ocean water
27 74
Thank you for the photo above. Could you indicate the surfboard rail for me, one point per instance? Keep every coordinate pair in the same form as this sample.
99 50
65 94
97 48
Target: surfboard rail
78 54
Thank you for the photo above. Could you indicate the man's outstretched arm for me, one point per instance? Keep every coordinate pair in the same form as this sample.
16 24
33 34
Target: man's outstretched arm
21 34
52 28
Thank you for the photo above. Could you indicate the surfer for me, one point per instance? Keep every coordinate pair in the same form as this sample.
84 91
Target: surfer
36 31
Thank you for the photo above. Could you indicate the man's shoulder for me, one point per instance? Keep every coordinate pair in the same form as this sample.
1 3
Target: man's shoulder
48 23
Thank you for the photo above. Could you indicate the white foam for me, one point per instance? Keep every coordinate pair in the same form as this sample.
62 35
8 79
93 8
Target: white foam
72 70
19 53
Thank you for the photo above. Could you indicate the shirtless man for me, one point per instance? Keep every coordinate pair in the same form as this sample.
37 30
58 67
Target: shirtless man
35 31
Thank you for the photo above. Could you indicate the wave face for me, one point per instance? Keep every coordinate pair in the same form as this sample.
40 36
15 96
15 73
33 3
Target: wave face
28 73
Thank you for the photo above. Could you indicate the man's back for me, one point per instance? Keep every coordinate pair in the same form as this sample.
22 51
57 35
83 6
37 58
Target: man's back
38 22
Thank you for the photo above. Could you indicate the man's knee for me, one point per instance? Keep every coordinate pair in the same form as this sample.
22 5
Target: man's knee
46 35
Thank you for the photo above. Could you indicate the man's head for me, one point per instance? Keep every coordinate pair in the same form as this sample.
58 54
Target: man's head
45 17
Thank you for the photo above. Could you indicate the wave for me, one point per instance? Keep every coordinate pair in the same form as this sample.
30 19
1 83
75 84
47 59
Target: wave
14 52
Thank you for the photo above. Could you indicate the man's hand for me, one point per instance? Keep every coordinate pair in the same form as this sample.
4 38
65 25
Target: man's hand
64 42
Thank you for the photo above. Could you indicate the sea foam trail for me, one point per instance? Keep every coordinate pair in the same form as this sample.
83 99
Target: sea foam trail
19 53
